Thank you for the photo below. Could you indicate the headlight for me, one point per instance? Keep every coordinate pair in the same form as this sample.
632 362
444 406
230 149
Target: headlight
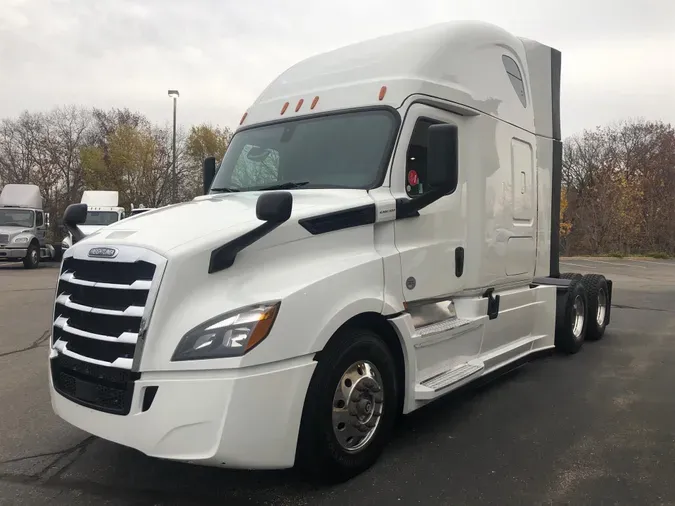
20 240
229 335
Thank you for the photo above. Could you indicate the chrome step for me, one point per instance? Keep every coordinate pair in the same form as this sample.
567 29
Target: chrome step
444 326
440 384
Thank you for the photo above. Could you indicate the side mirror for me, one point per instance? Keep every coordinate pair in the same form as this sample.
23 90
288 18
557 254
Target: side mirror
209 172
442 170
76 214
442 159
274 207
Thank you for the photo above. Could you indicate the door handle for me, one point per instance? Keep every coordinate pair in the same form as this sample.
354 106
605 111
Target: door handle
459 261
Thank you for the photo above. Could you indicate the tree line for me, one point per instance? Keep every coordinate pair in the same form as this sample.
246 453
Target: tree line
617 186
71 149
618 190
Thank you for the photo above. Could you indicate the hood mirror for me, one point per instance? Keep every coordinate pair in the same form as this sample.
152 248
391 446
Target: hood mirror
209 172
76 214
274 207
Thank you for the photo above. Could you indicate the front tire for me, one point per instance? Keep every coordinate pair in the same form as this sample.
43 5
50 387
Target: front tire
350 408
32 259
58 253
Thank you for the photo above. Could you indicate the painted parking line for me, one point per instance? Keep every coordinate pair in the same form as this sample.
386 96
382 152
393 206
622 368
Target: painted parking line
578 265
612 263
653 262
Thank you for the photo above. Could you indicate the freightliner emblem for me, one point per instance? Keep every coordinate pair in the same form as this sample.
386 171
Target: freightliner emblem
103 252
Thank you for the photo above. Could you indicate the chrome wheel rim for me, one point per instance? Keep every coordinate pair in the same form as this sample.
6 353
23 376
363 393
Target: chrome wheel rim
579 316
358 402
602 307
34 256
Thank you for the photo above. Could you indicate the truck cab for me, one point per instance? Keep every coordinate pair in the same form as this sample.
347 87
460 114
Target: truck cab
382 230
23 226
103 210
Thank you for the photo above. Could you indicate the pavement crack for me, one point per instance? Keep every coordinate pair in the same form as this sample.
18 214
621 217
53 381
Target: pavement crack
35 344
76 452
60 453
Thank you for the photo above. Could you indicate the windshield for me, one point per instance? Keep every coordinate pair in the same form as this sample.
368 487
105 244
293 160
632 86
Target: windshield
346 150
101 217
17 218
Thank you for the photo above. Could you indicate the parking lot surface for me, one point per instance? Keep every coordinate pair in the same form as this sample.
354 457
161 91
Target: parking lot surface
595 428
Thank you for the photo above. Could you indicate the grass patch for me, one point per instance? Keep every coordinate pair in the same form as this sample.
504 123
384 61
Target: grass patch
658 254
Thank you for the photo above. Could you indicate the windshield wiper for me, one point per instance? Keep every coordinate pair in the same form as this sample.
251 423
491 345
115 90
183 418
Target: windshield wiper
224 190
283 186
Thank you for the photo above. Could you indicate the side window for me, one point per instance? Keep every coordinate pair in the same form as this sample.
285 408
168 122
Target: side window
39 219
256 166
416 158
515 77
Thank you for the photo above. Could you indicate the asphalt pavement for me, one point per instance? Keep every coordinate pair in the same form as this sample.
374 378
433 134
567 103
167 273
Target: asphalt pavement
595 428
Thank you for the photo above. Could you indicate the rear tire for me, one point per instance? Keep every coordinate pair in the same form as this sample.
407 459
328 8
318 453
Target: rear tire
571 325
32 259
570 275
58 253
598 305
340 433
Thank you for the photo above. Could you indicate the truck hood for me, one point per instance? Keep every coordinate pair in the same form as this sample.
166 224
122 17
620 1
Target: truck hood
219 217
12 231
90 229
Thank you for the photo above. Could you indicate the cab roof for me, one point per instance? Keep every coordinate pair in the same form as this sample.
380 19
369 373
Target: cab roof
478 65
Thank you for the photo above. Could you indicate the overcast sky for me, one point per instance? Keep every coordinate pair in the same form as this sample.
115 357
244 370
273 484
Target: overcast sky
618 55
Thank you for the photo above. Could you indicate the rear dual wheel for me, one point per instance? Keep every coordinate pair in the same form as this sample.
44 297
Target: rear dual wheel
598 305
571 323
586 311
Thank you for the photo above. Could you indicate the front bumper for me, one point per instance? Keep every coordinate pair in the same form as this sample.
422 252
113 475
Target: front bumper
247 418
12 253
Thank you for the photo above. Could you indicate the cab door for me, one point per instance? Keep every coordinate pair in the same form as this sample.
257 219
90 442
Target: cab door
41 227
432 246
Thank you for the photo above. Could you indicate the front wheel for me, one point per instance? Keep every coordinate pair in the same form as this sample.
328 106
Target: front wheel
350 408
32 258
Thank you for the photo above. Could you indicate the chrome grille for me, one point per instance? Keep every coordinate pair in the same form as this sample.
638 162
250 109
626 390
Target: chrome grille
4 239
100 312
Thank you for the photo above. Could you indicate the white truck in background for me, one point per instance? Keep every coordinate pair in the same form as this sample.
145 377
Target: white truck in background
103 210
23 227
382 230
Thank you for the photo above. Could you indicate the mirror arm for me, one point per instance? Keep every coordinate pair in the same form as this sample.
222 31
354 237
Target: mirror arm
74 215
75 232
409 208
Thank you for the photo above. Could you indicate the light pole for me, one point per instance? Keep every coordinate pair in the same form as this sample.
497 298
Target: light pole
174 94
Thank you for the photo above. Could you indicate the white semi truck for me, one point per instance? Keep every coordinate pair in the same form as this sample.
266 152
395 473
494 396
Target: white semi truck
23 227
103 209
382 230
